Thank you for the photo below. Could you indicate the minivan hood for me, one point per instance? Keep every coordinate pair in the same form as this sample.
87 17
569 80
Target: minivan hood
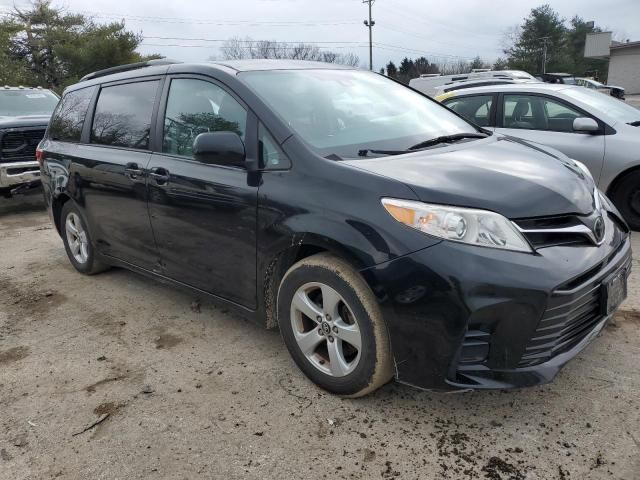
503 174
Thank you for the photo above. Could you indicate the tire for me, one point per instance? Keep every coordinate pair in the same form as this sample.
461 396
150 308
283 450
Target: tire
626 197
327 287
81 256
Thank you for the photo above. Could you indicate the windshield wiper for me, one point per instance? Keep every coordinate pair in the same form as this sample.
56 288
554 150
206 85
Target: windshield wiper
426 144
446 139
635 124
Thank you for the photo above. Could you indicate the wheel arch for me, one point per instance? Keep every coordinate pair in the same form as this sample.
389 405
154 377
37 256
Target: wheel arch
57 203
616 181
302 245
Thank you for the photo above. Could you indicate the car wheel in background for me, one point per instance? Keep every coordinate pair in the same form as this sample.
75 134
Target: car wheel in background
333 326
626 197
77 241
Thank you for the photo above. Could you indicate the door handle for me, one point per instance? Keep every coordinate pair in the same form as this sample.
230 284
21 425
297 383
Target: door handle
132 170
160 175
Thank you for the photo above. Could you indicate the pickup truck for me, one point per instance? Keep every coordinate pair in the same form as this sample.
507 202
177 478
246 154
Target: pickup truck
24 115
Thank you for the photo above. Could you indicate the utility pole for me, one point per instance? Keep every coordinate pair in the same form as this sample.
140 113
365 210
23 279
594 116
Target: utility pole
370 23
544 53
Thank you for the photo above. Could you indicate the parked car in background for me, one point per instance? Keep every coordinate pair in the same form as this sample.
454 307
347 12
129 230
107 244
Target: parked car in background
612 90
461 85
564 78
385 235
434 84
24 115
596 129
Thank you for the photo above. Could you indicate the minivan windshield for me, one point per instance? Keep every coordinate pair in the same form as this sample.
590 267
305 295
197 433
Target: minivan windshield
343 111
14 103
610 106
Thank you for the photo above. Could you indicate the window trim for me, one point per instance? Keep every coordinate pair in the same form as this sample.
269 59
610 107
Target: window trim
251 133
261 166
500 114
492 112
154 111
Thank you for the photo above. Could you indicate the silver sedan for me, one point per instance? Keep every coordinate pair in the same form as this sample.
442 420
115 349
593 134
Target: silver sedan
596 129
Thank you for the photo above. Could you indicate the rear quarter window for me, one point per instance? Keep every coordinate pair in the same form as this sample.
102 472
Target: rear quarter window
68 118
123 115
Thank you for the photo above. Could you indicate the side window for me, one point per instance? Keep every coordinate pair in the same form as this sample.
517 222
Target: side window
538 113
68 118
518 112
559 117
123 115
476 109
271 155
197 106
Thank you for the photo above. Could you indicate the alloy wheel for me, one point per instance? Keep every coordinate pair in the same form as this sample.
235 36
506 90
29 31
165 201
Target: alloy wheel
77 238
325 329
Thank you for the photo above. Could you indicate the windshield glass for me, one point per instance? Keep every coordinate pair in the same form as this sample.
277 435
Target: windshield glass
608 105
14 103
342 111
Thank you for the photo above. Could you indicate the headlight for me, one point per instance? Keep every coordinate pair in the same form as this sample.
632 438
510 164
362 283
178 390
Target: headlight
466 225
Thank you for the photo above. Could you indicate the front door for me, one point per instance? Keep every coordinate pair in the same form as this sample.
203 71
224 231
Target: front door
109 173
203 215
549 122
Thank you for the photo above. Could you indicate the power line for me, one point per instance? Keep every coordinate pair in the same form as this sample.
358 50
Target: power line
332 47
414 50
248 41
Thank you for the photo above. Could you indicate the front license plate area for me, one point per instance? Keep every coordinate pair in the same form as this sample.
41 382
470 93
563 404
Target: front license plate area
615 290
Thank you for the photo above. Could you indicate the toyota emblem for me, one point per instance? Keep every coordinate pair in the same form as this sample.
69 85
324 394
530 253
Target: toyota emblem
598 229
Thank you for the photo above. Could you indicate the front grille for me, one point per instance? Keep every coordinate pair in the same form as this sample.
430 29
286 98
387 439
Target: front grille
553 231
20 145
571 314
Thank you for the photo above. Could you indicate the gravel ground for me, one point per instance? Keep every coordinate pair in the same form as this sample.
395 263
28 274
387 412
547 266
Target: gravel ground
178 388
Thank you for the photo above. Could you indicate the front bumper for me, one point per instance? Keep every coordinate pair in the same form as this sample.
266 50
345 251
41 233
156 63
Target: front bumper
472 317
19 173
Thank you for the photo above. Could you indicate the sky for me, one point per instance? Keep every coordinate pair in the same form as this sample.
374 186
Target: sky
443 31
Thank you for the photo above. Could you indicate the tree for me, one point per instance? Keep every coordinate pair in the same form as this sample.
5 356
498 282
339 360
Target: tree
407 70
392 70
50 47
542 26
524 44
477 63
236 48
423 66
575 39
500 64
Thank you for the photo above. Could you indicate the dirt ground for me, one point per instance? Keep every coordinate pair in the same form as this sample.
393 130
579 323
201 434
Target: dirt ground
177 388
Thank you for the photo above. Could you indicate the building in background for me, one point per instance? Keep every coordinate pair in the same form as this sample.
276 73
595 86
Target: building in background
624 60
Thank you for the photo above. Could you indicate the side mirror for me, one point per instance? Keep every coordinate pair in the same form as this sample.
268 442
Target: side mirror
585 124
219 148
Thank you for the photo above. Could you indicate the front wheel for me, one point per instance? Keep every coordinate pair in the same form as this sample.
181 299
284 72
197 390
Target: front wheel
332 326
626 197
77 241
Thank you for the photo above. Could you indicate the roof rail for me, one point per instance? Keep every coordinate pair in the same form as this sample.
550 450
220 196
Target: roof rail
127 67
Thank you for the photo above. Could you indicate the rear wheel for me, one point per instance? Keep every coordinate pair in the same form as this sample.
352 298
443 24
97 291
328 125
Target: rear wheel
77 241
333 327
626 198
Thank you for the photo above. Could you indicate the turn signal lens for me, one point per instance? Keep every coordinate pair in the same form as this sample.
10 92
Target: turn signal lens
466 225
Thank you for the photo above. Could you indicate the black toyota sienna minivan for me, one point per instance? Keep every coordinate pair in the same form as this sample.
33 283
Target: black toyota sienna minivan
382 233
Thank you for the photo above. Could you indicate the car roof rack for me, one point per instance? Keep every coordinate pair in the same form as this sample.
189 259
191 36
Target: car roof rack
127 67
